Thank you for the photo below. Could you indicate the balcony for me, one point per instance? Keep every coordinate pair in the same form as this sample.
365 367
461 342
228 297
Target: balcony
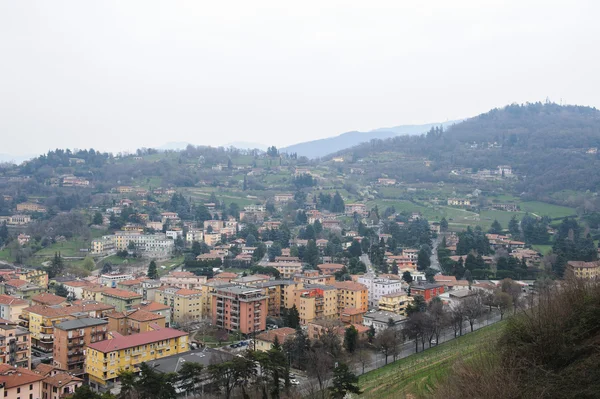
46 338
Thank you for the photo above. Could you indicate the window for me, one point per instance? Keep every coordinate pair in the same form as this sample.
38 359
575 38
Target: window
18 390
31 387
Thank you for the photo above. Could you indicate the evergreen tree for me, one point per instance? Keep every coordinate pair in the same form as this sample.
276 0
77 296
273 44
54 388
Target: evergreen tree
293 317
513 227
56 267
443 225
406 276
97 219
496 228
61 290
337 203
371 334
311 254
395 267
152 271
344 381
423 260
351 339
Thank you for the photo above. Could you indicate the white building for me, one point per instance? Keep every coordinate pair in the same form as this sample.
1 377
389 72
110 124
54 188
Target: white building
379 287
380 320
194 235
111 280
173 234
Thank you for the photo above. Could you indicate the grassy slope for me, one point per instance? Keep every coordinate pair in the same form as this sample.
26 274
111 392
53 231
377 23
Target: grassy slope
417 374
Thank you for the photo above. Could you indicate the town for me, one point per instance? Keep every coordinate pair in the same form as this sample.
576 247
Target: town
310 286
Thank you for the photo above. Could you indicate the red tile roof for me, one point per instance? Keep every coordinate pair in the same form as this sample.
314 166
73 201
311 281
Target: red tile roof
352 311
187 292
48 299
16 282
9 300
281 333
153 307
130 341
349 285
143 315
61 379
329 266
12 377
121 293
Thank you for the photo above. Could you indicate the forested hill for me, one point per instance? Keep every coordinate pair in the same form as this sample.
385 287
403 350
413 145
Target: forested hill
550 147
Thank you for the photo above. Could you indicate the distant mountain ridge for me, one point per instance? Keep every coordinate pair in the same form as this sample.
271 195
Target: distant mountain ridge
326 146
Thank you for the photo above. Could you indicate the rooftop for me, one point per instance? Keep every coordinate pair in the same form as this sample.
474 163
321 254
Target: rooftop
173 363
349 285
120 342
121 293
9 300
144 315
61 379
48 299
384 317
81 323
12 377
281 333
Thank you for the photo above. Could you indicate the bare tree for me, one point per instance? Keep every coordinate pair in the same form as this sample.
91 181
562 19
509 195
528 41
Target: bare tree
457 317
385 341
362 355
472 308
503 301
438 319
319 366
415 328
514 290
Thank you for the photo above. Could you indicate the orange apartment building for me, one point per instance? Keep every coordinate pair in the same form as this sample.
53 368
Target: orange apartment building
134 322
71 338
314 277
239 308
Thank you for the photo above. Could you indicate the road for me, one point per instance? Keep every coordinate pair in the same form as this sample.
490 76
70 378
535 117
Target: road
435 264
364 258
407 349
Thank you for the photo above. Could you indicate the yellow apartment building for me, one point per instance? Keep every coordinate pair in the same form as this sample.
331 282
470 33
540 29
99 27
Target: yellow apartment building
121 299
186 305
36 277
396 302
580 269
316 302
352 295
105 359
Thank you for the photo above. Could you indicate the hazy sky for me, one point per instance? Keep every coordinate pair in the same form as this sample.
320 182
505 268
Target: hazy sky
116 75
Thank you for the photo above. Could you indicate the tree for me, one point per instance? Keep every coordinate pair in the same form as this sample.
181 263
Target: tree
97 219
406 276
423 259
513 227
56 267
385 342
429 274
504 302
259 252
274 251
337 203
344 381
496 228
61 290
293 318
152 271
443 225
371 334
355 250
89 264
351 339
513 289
311 254
472 308
394 269
250 240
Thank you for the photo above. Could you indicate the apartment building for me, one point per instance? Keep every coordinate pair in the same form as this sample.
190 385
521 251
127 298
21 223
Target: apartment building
285 268
149 245
352 295
316 302
35 277
21 289
135 321
186 280
585 270
314 277
396 302
459 202
11 307
15 345
379 287
75 288
207 293
427 291
121 299
42 319
239 308
112 279
330 268
105 359
60 386
186 305
30 207
71 338
159 309
279 293
48 299
194 235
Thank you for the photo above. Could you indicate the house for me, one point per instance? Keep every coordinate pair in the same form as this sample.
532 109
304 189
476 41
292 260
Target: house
60 386
505 170
351 209
382 320
265 340
121 299
386 182
279 198
286 269
48 300
30 207
352 316
19 382
106 358
584 270
21 288
330 268
317 328
459 202
11 307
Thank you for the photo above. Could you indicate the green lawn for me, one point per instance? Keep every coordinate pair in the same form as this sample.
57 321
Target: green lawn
67 248
544 209
543 249
417 375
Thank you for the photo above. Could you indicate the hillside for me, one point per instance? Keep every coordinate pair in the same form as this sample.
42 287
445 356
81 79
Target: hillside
323 147
549 147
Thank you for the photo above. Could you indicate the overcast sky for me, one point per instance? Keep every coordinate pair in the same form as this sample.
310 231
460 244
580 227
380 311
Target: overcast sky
117 75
